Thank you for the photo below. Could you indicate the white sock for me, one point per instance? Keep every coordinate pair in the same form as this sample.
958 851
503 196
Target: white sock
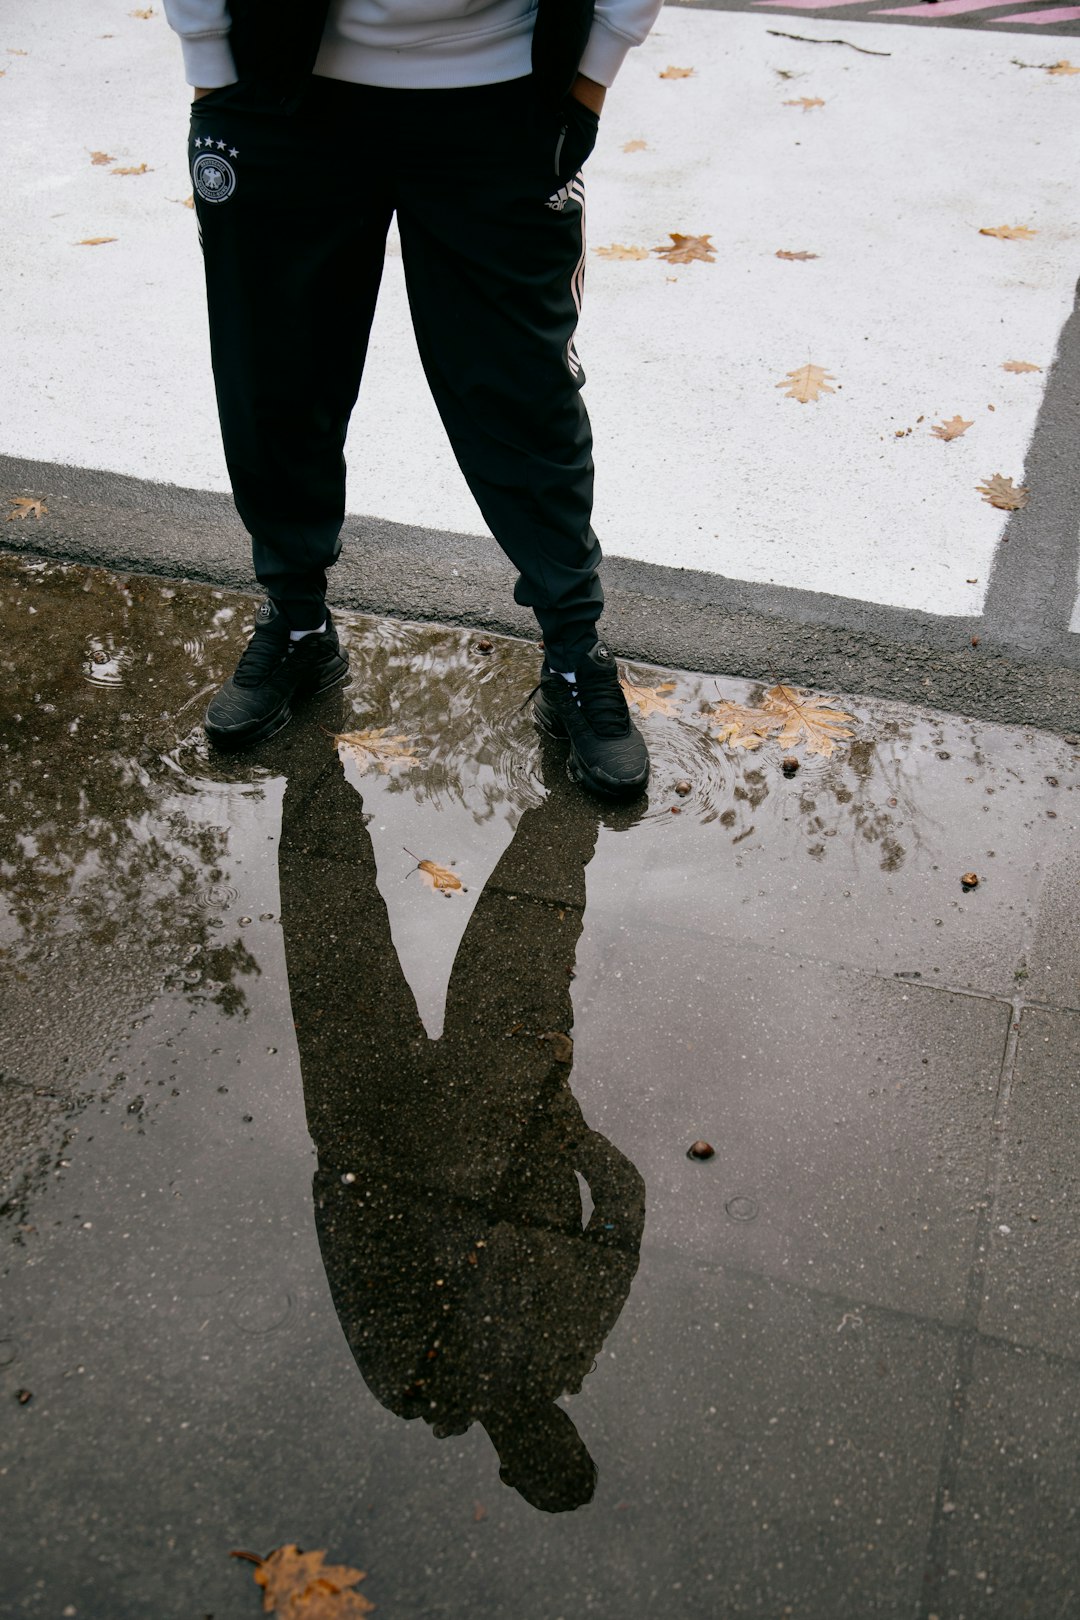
298 635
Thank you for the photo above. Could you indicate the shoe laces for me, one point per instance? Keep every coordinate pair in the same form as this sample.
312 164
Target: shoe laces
262 655
601 700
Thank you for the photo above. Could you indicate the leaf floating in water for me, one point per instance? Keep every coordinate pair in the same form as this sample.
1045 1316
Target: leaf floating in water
441 878
786 714
650 699
300 1586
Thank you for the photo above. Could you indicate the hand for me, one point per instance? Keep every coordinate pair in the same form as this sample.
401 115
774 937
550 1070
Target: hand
589 93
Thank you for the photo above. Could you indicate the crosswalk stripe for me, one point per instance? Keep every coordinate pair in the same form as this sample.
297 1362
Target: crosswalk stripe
945 8
809 5
928 10
1054 14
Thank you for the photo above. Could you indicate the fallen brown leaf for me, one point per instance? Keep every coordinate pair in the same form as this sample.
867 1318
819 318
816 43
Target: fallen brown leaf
649 699
635 146
435 876
24 506
148 11
677 73
1008 233
801 256
807 103
376 747
562 1046
94 241
617 250
300 1586
786 713
140 168
683 249
185 202
13 52
1003 493
807 383
1056 69
1020 365
951 429
101 159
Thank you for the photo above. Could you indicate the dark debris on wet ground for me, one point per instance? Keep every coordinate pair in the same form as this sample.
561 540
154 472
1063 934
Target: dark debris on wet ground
346 1210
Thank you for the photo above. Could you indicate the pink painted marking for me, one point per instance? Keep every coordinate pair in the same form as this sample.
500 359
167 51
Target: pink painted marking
1052 15
958 8
946 8
807 5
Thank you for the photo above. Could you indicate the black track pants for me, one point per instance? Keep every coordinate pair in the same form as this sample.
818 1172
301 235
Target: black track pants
293 211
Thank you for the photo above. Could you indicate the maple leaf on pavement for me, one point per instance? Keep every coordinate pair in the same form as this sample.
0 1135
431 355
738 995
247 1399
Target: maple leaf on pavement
951 429
140 168
1008 233
618 251
801 256
94 241
807 103
1061 69
1003 493
649 699
677 73
683 249
300 1586
376 747
23 506
635 146
1020 365
101 159
807 383
148 11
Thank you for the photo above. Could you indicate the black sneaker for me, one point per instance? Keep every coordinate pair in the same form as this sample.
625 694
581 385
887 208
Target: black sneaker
255 701
607 751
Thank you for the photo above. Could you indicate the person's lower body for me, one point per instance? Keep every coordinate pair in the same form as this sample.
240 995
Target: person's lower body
293 213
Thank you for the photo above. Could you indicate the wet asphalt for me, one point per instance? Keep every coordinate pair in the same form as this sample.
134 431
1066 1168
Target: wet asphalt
342 1211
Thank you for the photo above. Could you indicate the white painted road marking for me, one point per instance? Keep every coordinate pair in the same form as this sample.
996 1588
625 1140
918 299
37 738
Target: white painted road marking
701 462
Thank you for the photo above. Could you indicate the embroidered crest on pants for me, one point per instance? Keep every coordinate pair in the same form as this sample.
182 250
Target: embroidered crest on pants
213 177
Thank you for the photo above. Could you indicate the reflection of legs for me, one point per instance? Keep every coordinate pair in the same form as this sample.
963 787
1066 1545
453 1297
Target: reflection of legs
554 1290
293 260
494 280
357 1028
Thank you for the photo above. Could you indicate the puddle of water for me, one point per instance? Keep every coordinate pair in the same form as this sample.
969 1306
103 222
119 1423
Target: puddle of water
301 1155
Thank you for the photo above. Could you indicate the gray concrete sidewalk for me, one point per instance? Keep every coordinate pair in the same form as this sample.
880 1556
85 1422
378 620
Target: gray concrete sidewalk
298 1149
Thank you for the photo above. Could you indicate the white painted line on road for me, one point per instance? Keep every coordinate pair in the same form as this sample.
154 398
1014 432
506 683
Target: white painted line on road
702 462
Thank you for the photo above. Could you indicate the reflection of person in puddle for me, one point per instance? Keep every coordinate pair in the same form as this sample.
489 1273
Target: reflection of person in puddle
447 1197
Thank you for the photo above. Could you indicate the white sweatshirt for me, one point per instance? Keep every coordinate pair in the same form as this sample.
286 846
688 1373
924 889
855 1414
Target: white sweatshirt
417 44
